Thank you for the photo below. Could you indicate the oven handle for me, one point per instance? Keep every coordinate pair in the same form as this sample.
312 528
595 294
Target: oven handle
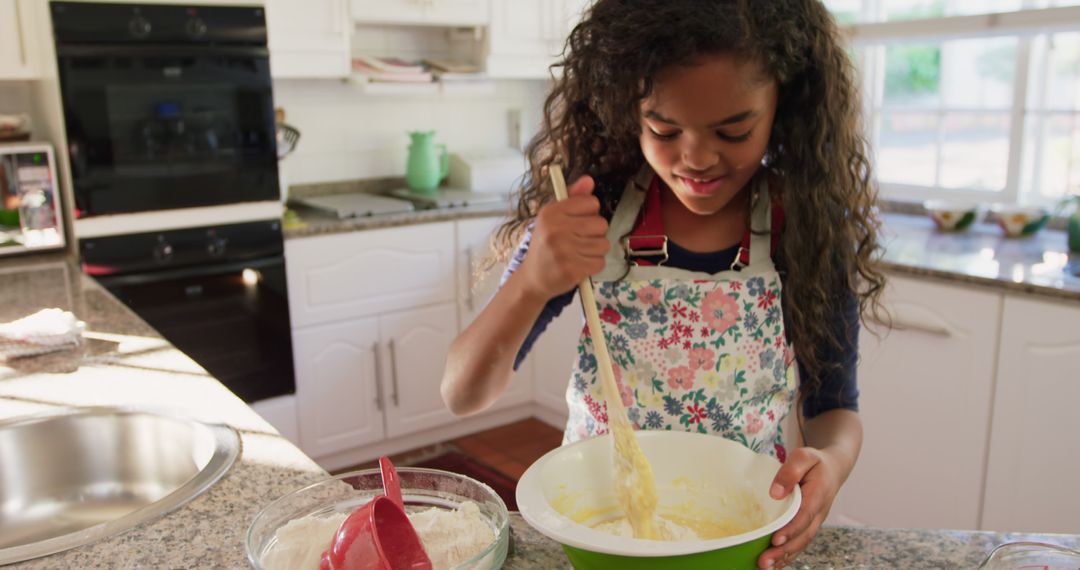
146 50
192 271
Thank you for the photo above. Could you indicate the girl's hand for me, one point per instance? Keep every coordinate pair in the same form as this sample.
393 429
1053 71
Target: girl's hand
820 477
568 244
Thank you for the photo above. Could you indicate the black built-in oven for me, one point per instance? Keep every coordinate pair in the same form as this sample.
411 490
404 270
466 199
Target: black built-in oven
165 106
217 293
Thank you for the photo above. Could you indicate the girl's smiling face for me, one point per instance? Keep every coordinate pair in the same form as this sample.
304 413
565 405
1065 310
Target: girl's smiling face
705 129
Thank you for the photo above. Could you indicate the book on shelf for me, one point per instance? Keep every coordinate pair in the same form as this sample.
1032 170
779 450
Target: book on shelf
451 65
370 73
455 77
391 64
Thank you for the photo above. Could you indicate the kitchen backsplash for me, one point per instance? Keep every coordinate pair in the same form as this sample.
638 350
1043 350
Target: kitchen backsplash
346 134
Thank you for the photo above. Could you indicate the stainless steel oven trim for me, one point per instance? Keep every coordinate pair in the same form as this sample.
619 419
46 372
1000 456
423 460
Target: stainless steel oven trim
177 219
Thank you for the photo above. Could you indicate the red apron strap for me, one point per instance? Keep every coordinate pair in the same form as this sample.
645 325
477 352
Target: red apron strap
648 239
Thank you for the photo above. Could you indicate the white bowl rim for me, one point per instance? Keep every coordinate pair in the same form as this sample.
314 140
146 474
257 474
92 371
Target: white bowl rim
253 550
535 509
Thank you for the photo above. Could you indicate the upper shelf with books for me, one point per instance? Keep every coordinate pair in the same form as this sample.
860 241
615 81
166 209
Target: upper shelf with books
391 75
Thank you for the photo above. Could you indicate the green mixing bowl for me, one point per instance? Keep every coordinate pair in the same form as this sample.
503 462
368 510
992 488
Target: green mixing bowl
697 475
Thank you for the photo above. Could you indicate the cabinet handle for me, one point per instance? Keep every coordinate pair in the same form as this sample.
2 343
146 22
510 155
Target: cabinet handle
902 324
378 377
19 31
393 375
469 278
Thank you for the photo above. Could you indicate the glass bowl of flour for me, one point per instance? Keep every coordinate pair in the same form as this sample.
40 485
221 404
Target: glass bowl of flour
462 522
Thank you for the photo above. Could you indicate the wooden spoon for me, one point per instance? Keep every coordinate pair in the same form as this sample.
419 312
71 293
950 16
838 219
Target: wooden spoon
635 485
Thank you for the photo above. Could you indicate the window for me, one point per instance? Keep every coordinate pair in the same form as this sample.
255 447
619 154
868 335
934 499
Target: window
970 99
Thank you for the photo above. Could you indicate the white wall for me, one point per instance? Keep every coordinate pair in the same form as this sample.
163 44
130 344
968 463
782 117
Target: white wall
347 134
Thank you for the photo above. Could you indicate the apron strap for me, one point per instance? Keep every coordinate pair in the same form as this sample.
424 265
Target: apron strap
648 239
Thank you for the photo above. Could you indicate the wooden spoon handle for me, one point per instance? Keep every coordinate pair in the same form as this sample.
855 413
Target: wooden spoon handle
616 411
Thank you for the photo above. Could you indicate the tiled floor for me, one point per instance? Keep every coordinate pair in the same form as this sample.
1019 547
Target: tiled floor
510 448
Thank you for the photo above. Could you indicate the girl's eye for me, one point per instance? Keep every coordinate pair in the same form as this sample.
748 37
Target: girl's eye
664 136
735 138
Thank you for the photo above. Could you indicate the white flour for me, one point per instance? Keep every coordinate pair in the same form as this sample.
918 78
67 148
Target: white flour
452 537
301 542
449 538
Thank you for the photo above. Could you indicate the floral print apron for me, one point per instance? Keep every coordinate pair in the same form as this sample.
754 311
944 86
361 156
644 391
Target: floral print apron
691 351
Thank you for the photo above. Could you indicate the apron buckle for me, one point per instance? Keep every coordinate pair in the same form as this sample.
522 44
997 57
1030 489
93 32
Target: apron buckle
648 249
738 264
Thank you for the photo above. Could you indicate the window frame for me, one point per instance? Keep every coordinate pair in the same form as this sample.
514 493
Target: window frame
868 40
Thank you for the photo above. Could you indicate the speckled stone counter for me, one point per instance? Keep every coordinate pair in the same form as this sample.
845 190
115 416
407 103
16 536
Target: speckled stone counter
316 222
834 547
125 363
1040 264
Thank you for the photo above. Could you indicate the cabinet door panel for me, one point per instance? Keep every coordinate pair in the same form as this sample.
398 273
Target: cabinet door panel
17 31
554 355
340 276
415 344
925 396
1035 442
475 289
308 39
337 394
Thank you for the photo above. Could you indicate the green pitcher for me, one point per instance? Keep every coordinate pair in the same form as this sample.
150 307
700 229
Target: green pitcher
425 169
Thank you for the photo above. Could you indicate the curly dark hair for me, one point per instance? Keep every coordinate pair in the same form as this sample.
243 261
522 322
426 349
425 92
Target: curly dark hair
816 147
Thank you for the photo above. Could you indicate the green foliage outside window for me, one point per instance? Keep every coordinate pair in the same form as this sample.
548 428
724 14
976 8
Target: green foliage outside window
912 70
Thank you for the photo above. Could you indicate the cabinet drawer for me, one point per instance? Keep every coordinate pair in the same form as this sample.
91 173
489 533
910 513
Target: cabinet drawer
341 276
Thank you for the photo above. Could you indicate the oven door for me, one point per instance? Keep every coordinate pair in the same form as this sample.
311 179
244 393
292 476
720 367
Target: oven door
232 318
162 127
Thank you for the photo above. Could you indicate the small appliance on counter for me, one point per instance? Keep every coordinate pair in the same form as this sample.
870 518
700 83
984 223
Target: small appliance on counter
31 218
450 198
355 205
495 170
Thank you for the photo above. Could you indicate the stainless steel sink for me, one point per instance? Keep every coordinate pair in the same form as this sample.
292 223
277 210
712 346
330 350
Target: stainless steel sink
77 476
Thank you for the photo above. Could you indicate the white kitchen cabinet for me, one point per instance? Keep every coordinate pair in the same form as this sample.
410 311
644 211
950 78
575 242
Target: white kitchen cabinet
341 276
554 355
415 344
309 39
526 36
339 399
926 392
1035 439
475 288
17 35
421 12
368 379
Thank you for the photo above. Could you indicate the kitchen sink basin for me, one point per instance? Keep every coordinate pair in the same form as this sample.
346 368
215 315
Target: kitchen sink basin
74 477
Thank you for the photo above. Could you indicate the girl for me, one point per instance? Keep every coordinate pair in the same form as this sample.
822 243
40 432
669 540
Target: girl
724 211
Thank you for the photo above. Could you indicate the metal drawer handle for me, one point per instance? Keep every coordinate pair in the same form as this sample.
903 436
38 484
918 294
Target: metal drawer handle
378 377
393 375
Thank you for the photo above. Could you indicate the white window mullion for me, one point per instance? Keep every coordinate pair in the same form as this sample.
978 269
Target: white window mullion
1041 79
1016 125
940 150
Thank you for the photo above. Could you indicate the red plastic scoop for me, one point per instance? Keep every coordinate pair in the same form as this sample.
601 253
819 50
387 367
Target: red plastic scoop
378 535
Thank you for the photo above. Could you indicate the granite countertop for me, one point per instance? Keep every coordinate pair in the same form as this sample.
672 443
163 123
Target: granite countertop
1040 264
124 362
